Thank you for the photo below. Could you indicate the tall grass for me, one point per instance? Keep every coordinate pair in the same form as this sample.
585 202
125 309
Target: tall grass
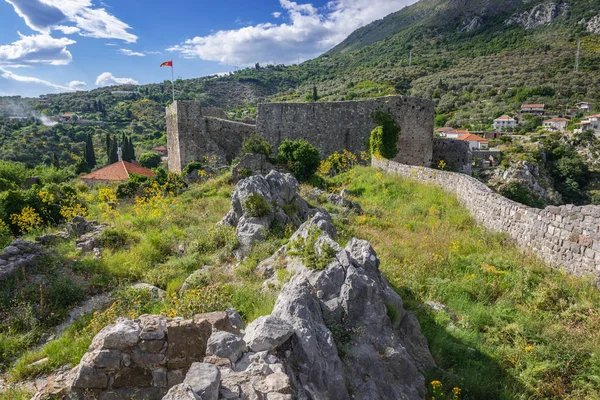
517 329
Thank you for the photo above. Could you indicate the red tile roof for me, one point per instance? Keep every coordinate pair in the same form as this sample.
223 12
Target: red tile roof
504 118
471 137
160 148
533 106
118 171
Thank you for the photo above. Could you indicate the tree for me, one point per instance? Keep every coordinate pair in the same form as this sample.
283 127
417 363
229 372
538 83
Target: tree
113 155
55 162
131 149
126 154
89 152
150 160
255 144
315 96
302 158
107 146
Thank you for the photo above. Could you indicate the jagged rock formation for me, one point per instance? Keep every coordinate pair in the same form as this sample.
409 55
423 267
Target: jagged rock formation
251 164
338 330
472 24
539 15
258 201
20 254
593 26
530 177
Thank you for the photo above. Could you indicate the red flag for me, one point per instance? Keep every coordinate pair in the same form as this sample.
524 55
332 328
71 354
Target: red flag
167 64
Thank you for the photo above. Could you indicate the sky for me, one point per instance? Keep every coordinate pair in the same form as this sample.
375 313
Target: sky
50 46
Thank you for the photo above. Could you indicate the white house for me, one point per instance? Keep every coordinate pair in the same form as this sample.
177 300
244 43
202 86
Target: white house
591 123
475 142
536 109
556 124
585 106
504 123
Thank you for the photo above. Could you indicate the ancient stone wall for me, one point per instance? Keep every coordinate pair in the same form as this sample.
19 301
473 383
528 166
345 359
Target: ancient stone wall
191 136
566 237
455 153
347 125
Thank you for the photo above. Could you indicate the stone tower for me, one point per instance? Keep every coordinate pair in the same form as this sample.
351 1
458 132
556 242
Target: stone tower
185 129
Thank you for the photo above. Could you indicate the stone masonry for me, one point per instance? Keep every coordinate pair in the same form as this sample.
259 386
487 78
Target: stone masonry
336 126
191 135
330 127
566 237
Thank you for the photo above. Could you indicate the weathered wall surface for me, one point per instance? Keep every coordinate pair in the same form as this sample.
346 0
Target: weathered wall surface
347 125
191 135
455 153
566 237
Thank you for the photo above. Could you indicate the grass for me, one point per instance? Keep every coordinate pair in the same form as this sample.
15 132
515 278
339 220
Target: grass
144 246
522 330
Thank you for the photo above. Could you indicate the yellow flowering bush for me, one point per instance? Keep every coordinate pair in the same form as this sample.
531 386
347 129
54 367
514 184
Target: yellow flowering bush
27 220
338 163
153 205
442 165
198 301
436 388
107 199
71 207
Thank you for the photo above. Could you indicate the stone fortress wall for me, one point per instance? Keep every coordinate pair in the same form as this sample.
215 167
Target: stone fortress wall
330 127
566 237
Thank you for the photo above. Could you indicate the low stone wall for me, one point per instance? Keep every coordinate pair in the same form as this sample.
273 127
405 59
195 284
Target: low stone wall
19 255
566 237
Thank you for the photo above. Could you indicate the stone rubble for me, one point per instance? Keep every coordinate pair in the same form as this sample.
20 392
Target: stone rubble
19 255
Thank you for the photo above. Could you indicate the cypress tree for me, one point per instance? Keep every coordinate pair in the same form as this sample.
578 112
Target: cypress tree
131 150
90 153
55 162
114 152
315 94
108 146
125 148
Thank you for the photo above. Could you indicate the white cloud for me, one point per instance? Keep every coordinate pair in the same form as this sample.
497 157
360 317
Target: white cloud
311 31
276 14
152 52
44 15
67 30
128 52
110 44
108 79
36 49
77 85
30 79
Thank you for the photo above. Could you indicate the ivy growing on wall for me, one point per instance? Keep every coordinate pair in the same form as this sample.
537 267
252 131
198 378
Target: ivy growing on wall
384 138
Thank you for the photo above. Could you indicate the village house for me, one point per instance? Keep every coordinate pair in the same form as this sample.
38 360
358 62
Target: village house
504 123
118 172
45 102
585 106
69 117
591 123
535 109
556 124
162 150
475 142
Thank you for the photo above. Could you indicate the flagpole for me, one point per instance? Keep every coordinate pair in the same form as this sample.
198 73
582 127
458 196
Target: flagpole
173 80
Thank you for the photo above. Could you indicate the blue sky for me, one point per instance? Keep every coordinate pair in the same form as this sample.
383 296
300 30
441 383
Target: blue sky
49 46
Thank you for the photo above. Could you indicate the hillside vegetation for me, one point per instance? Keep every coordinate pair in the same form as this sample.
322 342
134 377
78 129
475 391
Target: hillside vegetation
501 325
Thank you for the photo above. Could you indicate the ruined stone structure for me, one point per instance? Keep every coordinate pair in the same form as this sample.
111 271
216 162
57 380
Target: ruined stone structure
455 153
566 237
191 135
330 127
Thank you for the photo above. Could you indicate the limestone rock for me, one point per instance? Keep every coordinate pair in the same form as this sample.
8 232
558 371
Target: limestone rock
540 14
182 391
187 342
21 254
154 291
593 26
125 333
267 333
471 24
236 321
279 192
225 345
205 380
251 164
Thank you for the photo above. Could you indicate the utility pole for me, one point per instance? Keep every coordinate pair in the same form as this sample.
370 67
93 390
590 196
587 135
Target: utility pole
577 56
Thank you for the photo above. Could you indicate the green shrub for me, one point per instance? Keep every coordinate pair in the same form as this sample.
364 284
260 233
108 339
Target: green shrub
150 160
221 238
116 239
255 144
305 249
384 138
5 184
256 206
521 194
302 158
14 172
193 166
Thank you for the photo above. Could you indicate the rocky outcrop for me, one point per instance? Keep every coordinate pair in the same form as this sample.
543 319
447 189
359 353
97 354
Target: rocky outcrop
530 177
249 165
259 201
338 330
593 26
471 24
539 15
20 254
